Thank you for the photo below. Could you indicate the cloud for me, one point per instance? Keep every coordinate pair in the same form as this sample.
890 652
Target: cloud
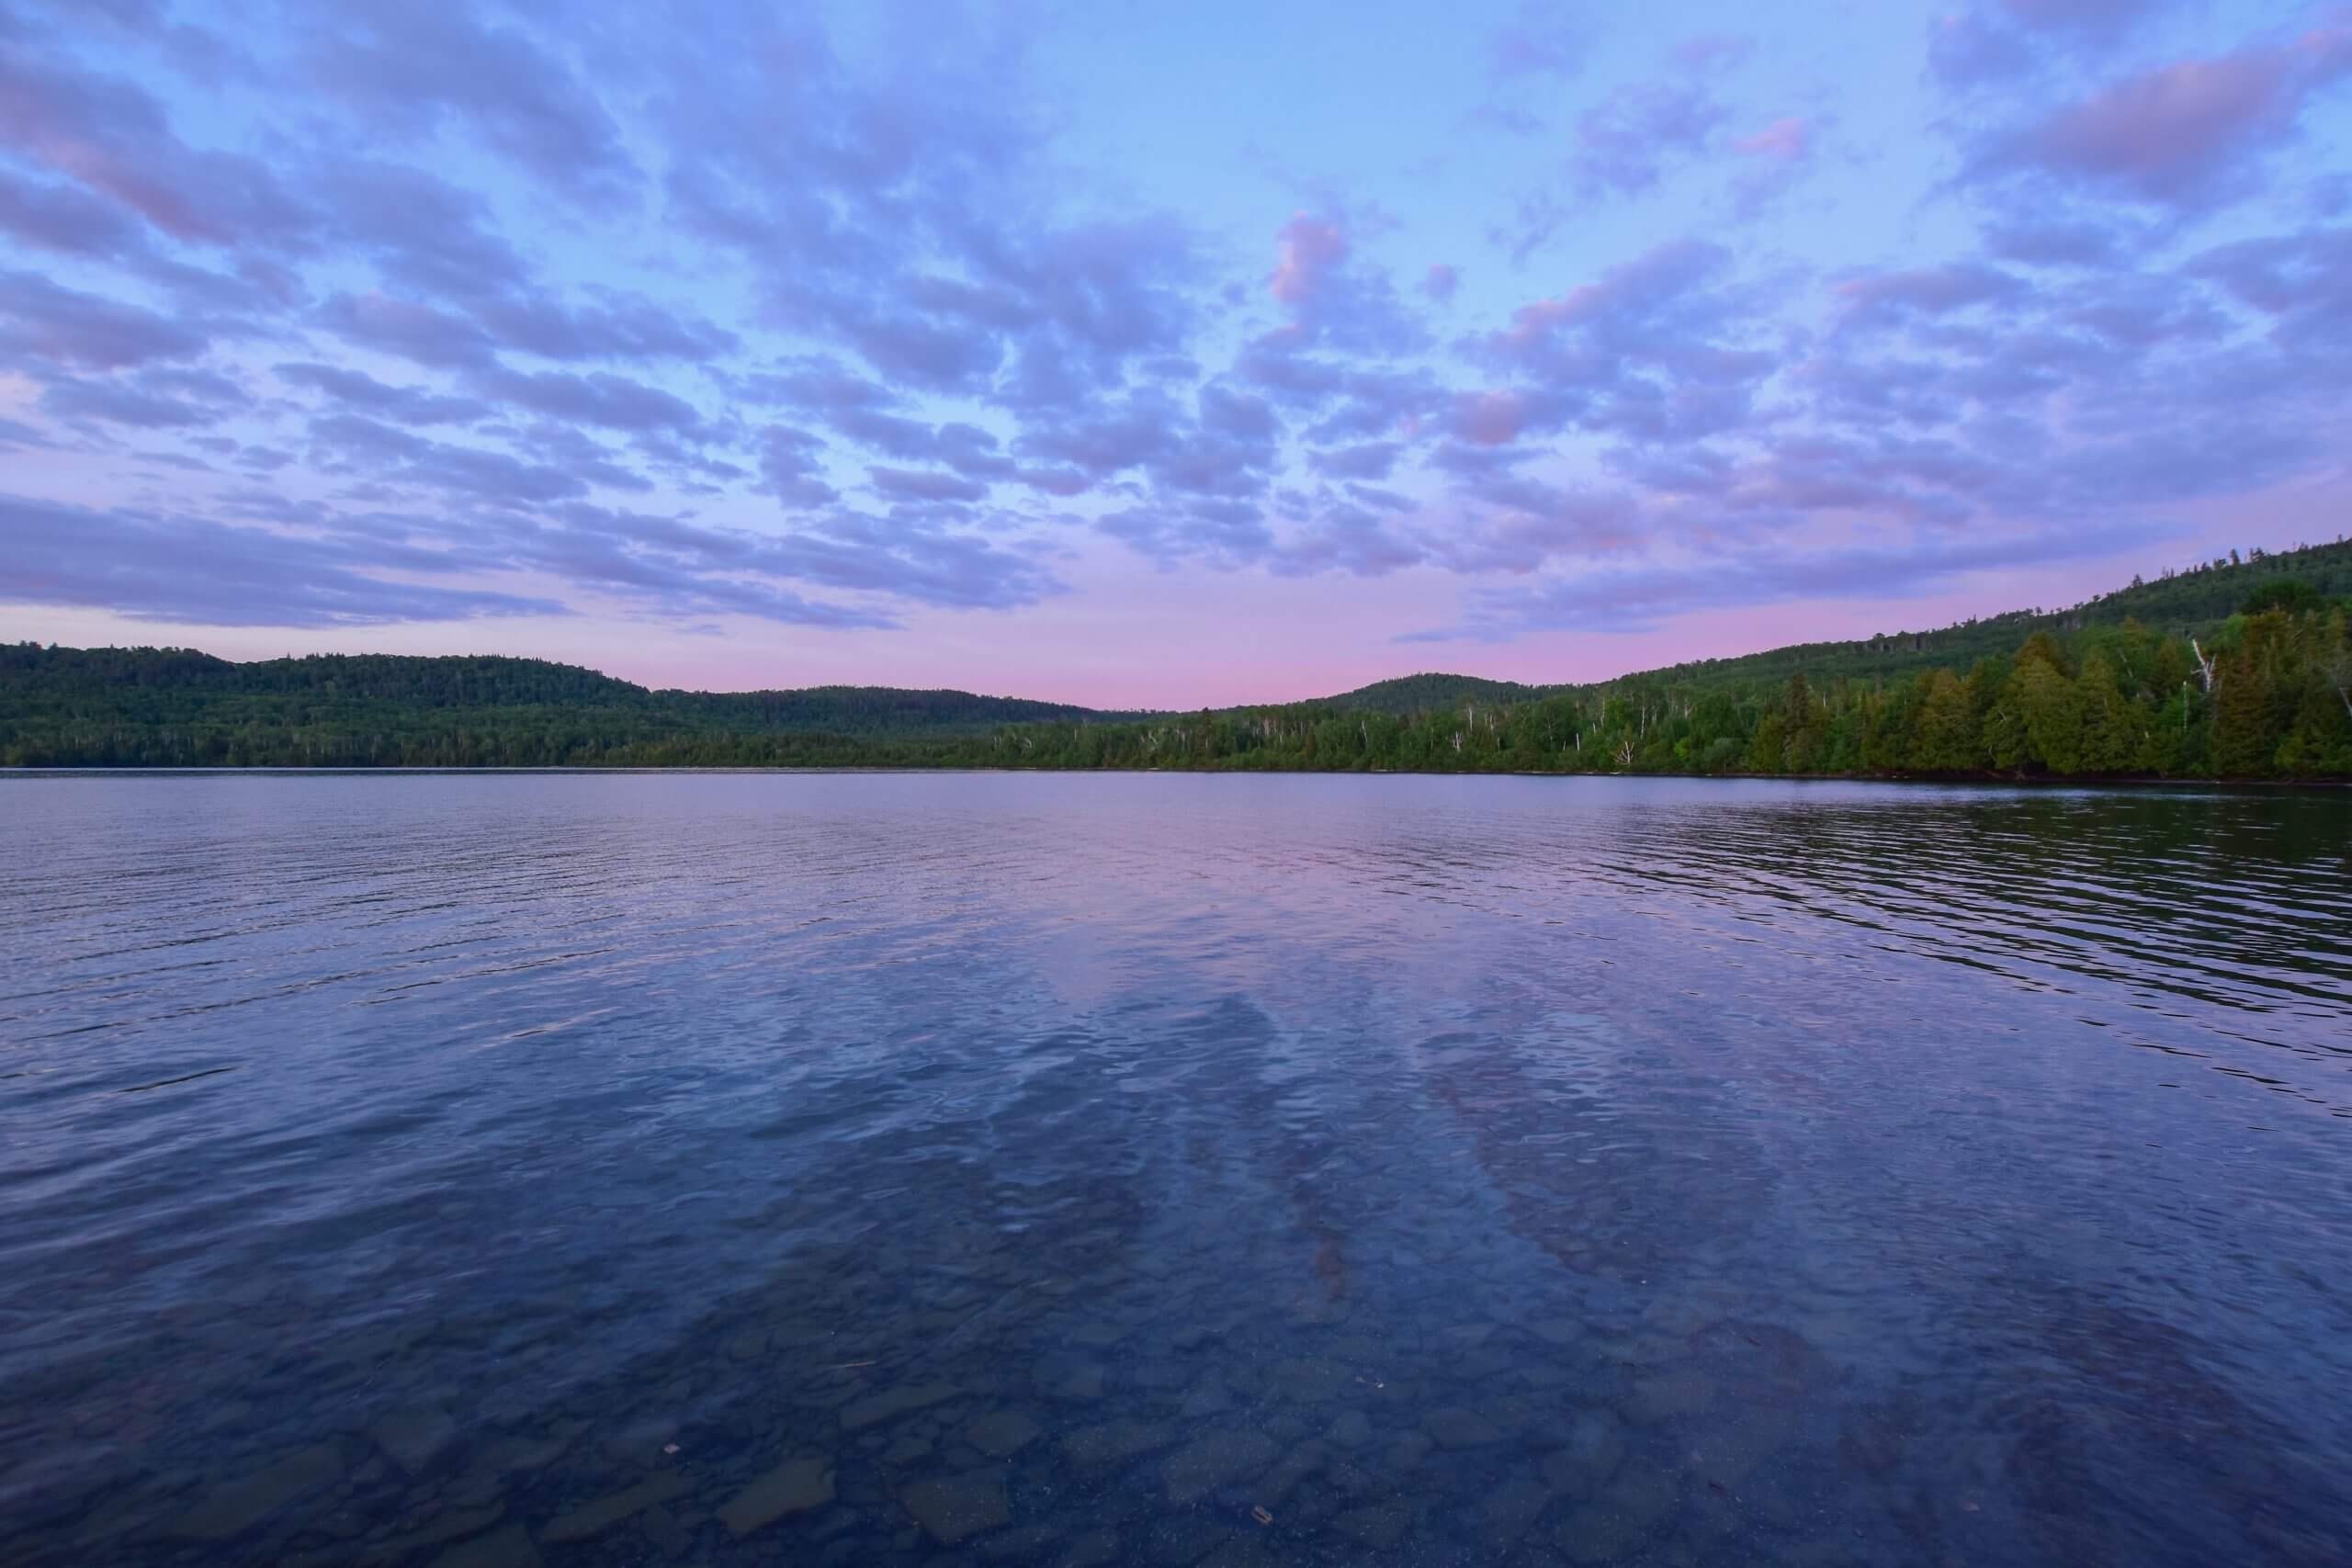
406 69
1929 291
418 332
114 137
1311 250
402 405
1788 139
1333 301
2303 282
45 321
63 218
790 465
599 398
924 484
1641 598
160 566
2056 241
1371 460
716 313
1997 42
1541 41
2186 134
157 399
1627 143
1650 350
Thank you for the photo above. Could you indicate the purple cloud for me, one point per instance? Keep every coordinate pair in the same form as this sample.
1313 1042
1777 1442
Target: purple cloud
193 570
1638 598
114 138
1929 290
2184 134
63 218
696 346
599 398
402 405
405 68
1540 39
44 320
1626 144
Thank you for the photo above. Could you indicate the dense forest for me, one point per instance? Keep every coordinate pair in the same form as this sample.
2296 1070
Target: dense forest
2238 668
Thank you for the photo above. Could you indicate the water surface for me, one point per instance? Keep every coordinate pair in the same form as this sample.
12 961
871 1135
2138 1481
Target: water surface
719 1169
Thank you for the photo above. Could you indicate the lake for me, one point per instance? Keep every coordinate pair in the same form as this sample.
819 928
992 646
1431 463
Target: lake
479 1169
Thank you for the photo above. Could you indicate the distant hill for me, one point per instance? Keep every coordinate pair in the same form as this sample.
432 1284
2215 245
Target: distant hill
1414 693
166 706
2182 604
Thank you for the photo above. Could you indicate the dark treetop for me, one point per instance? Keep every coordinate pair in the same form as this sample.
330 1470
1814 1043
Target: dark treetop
2234 668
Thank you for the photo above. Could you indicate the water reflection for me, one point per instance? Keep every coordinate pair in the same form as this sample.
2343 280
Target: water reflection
627 1168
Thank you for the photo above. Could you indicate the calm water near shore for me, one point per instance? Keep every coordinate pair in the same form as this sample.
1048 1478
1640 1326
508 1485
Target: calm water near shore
468 1170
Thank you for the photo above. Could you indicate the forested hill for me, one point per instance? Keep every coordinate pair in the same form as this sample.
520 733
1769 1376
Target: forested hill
2178 604
2234 668
177 707
1415 693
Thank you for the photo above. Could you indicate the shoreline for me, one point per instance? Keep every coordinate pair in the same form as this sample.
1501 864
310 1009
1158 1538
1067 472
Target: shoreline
2003 780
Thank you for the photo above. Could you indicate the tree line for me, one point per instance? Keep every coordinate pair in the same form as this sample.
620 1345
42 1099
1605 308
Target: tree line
2263 694
2268 696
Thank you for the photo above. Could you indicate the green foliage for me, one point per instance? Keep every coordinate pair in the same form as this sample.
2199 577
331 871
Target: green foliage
175 707
2291 594
1412 694
2087 693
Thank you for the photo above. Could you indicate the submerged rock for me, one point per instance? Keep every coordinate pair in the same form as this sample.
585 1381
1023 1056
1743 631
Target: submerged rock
1302 1461
955 1507
1512 1508
509 1548
1594 1449
793 1487
1558 1330
1092 1550
414 1436
1379 1526
235 1509
595 1519
1211 1398
1002 1432
1092 1449
1408 1451
894 1403
1177 1541
1210 1461
1669 1395
1065 1378
1458 1428
1605 1528
1310 1381
447 1527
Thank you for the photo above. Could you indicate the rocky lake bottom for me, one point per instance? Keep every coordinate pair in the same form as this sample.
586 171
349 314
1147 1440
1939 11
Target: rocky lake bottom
463 1171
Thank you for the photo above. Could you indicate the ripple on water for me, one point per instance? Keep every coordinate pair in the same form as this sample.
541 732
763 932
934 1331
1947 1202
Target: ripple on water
612 1169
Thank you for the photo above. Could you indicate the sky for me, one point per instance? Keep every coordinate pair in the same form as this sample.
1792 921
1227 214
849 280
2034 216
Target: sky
1153 354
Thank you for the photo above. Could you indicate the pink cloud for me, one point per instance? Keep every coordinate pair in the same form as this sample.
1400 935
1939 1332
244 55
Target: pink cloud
2169 133
1787 139
1440 281
1934 289
1309 250
1490 419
